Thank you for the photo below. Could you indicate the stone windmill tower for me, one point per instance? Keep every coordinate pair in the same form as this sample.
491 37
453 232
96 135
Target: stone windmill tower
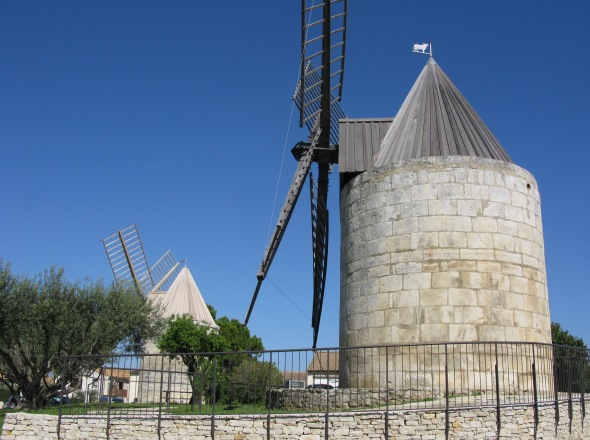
441 232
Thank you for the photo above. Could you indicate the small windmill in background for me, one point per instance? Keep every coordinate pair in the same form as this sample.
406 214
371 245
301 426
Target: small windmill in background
323 42
130 267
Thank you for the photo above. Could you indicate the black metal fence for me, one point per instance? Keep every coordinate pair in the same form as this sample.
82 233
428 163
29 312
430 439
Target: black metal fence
376 378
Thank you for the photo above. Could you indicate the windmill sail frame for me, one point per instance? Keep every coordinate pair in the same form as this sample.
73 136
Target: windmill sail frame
324 82
317 95
313 107
126 256
319 230
301 173
129 264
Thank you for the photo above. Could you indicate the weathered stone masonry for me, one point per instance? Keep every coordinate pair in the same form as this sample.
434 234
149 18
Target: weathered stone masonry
441 249
517 423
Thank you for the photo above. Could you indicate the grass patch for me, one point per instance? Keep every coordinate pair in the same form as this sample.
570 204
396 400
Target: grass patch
176 409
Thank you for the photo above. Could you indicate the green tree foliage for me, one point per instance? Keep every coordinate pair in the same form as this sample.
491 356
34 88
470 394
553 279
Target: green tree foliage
249 381
238 336
183 335
47 317
184 338
198 346
213 311
561 336
572 361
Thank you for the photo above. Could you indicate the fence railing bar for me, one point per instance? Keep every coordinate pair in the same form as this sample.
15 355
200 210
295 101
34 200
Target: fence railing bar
473 375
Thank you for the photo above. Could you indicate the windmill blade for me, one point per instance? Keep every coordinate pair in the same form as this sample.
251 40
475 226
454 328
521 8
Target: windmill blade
319 231
301 173
323 42
164 272
127 259
313 99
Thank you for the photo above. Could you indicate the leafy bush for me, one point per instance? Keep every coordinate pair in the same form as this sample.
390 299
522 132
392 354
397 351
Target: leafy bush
249 382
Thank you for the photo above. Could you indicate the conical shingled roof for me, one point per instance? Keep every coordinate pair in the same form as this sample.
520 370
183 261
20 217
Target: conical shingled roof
436 120
184 298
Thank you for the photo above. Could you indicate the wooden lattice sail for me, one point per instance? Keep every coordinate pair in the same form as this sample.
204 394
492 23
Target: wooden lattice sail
323 42
130 268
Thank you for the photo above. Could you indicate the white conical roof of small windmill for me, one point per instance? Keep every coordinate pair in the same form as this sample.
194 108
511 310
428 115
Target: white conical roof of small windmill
184 298
436 120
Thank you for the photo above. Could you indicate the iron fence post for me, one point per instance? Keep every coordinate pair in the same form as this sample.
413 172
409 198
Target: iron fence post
192 382
109 400
386 393
268 398
582 379
161 392
327 416
569 385
447 421
64 368
497 372
555 386
169 385
535 395
214 397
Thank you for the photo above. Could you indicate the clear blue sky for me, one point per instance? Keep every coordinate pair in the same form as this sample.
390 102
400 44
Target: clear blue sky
173 116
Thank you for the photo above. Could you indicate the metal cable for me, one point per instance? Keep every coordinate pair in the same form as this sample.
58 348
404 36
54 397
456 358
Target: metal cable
287 296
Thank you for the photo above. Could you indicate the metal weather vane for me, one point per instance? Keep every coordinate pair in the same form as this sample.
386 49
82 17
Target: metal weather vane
421 48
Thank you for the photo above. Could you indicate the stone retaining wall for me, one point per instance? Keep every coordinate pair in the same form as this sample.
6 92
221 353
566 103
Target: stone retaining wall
338 399
517 423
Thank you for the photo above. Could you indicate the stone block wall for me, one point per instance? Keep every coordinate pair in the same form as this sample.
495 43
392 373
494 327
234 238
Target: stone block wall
344 399
441 249
517 422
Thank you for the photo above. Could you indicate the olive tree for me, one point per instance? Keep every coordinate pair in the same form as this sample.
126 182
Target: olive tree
44 318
